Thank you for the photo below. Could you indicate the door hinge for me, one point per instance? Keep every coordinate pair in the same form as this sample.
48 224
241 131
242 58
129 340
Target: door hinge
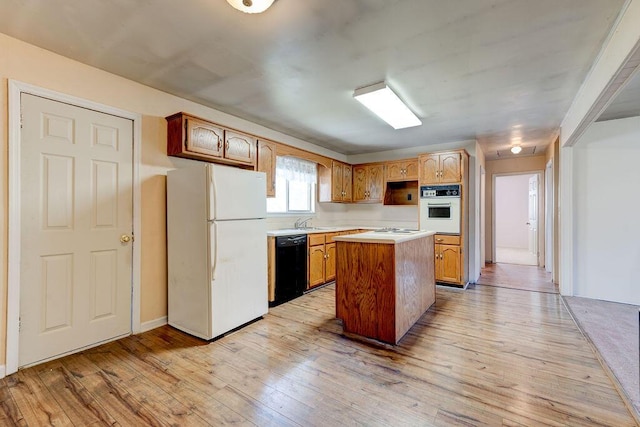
19 324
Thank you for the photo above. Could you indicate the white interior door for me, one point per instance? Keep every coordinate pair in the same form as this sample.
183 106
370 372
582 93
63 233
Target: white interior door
76 225
533 215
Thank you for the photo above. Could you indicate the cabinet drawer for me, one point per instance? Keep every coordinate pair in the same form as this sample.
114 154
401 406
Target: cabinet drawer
315 239
444 239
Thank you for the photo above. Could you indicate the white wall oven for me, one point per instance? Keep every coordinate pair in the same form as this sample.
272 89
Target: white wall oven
440 208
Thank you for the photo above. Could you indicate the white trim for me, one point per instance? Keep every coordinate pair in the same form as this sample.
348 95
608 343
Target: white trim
152 324
566 226
16 88
2 371
548 217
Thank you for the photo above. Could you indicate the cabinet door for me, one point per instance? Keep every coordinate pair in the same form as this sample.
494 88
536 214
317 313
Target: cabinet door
267 164
438 263
429 167
204 138
450 268
394 171
336 181
316 265
411 170
346 183
360 183
239 147
375 183
330 262
450 167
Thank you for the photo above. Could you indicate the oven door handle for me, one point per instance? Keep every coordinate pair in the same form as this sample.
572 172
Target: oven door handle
439 204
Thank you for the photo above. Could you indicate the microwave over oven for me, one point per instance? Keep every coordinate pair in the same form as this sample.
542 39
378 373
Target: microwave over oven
440 208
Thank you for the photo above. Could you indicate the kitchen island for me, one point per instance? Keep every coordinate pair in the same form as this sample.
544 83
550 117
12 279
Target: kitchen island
385 281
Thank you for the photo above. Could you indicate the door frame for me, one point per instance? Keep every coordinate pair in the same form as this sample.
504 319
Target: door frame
16 88
541 209
548 217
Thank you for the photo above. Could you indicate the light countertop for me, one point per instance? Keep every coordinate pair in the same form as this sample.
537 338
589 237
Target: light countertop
388 237
312 230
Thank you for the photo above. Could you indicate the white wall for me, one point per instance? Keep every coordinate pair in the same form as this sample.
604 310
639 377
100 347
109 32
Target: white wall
512 211
367 215
606 212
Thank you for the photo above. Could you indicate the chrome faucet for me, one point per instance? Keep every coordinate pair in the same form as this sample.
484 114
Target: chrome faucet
302 222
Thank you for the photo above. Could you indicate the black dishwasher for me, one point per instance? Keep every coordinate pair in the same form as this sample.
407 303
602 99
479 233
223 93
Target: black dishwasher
291 268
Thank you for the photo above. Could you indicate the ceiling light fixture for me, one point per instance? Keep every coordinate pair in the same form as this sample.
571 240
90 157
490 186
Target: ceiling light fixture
516 149
383 102
251 6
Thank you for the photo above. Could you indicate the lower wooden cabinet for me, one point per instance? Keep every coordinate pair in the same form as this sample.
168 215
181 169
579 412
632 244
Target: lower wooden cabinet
316 265
330 262
448 259
322 258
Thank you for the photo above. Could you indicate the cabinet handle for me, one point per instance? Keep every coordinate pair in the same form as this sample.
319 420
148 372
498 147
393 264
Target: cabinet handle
219 145
226 146
439 240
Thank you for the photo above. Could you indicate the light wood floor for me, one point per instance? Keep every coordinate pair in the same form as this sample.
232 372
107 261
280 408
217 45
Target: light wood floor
525 277
483 356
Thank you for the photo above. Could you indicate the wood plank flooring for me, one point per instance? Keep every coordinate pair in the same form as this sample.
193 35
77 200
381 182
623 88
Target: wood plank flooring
525 277
483 356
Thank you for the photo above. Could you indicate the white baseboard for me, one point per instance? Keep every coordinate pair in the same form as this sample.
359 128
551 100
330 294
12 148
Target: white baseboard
3 371
152 324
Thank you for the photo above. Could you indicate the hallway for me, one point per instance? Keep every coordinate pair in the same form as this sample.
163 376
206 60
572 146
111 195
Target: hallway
523 277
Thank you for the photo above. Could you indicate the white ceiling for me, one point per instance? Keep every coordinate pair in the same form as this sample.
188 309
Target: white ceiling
497 71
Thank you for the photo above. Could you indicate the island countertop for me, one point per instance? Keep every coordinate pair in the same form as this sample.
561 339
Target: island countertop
385 237
384 284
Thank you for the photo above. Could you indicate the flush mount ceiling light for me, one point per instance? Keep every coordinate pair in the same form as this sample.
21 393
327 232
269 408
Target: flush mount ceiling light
251 6
383 102
516 149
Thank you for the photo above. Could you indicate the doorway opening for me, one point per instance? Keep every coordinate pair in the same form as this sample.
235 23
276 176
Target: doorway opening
516 219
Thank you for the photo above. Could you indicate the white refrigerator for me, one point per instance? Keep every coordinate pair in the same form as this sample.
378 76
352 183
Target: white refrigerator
217 248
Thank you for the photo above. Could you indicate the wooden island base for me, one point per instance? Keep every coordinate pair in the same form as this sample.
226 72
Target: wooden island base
384 286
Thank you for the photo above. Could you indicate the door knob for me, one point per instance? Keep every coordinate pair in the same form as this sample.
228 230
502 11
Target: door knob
125 238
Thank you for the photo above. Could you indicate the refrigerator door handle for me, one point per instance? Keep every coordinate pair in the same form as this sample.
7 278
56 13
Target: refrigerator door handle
214 249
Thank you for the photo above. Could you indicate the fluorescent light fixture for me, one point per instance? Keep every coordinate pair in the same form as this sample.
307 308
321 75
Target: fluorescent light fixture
251 6
516 149
380 99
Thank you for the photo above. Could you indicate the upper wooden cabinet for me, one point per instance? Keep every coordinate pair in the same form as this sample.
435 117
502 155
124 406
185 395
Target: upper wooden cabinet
334 185
401 170
204 138
441 168
195 138
368 183
267 164
239 147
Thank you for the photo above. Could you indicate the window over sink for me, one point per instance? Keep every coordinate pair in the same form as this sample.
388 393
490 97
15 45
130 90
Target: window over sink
295 187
